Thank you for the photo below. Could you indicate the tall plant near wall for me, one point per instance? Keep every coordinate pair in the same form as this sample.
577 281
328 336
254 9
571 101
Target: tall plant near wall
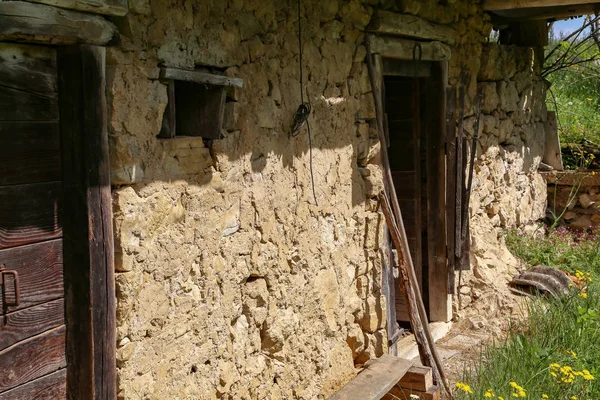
572 65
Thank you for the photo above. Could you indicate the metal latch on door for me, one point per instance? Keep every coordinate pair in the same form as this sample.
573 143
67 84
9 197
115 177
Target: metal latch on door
3 273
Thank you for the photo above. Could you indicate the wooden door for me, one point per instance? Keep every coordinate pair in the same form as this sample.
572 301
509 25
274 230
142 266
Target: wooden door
32 324
402 106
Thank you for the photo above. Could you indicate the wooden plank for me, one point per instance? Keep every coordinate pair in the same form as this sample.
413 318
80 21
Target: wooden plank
552 152
199 109
29 68
30 213
389 23
52 386
187 75
415 107
107 7
24 21
502 17
20 325
451 195
32 358
433 393
417 377
493 5
88 254
18 105
403 48
30 152
374 381
40 272
440 304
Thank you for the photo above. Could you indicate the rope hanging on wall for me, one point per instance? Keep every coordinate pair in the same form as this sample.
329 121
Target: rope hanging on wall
303 112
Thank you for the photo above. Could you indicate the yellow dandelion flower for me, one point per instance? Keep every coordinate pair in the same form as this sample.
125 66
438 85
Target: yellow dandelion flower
464 387
583 295
489 393
545 396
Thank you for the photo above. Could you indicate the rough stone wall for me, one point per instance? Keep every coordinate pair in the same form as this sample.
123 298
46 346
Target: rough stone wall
232 282
574 199
508 190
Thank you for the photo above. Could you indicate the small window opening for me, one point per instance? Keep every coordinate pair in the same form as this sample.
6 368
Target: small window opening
196 103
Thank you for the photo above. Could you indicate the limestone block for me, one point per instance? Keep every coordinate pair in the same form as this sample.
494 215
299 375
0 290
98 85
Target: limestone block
490 97
355 340
230 221
373 316
509 96
505 129
327 291
585 200
278 327
581 222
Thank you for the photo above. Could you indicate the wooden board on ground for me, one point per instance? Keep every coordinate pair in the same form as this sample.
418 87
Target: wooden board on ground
417 378
375 381
433 393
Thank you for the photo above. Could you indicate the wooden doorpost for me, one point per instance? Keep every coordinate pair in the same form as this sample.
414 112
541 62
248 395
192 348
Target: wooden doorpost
87 223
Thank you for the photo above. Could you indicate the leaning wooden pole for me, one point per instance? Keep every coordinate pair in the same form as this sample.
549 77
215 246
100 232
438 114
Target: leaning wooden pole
425 342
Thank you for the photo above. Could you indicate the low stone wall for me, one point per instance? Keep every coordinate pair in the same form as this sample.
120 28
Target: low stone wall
574 197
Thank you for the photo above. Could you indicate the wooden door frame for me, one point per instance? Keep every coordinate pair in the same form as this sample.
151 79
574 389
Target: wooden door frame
439 305
90 302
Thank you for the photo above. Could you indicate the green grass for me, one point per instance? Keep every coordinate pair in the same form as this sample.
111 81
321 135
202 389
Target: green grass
564 331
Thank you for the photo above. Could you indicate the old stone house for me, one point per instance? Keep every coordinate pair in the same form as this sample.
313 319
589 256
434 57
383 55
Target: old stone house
164 236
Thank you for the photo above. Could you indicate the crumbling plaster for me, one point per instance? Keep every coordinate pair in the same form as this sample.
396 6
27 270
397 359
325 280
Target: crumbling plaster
231 281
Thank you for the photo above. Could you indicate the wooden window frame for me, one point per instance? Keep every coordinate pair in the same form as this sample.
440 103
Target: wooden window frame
200 97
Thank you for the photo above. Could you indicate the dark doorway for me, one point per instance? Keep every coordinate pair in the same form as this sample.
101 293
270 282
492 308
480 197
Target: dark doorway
414 107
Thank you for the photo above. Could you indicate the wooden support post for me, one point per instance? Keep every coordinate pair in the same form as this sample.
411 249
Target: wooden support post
87 223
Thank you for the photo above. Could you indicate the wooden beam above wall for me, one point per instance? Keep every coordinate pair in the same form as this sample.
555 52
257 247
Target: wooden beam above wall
199 77
389 23
29 22
544 13
107 7
403 48
494 5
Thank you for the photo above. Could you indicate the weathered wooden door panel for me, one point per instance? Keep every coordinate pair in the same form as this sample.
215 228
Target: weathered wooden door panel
30 152
51 386
33 358
32 323
17 105
30 213
40 270
23 324
29 68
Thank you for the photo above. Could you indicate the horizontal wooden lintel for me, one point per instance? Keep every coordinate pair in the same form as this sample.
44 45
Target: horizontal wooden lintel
180 74
107 7
389 23
404 49
29 22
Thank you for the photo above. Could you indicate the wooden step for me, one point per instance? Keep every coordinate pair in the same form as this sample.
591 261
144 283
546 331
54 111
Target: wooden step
375 381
